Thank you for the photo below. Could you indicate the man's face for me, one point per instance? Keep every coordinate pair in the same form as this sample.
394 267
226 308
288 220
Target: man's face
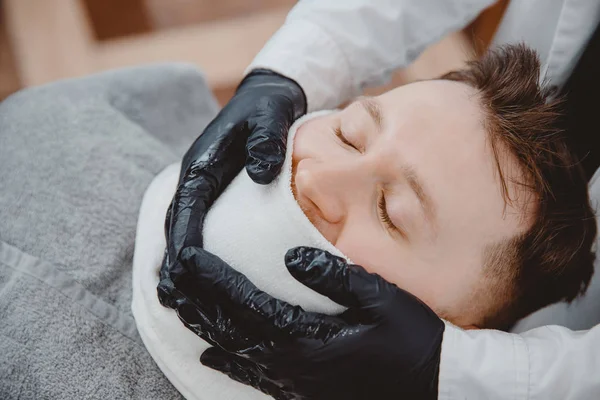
406 185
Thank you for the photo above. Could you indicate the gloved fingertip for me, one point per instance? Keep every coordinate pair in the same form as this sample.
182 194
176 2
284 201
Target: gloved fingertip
164 290
306 258
215 358
262 172
294 255
307 264
260 176
299 258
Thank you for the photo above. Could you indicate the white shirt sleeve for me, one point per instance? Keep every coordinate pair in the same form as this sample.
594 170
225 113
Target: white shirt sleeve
334 48
547 363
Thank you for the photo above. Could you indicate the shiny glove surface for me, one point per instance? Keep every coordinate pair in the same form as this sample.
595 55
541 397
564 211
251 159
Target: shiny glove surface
252 130
386 345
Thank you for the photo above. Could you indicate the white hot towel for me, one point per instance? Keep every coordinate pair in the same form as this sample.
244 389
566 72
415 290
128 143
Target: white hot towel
251 227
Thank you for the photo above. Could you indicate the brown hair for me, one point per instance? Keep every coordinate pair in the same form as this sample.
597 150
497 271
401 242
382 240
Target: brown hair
553 260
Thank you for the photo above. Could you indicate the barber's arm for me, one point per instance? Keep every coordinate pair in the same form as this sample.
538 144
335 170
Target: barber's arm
550 362
334 49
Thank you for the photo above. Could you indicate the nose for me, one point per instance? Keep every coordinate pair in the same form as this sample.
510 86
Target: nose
328 188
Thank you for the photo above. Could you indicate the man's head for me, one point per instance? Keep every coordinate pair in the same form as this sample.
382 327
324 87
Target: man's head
459 190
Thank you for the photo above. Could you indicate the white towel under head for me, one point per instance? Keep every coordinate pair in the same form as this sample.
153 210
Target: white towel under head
251 227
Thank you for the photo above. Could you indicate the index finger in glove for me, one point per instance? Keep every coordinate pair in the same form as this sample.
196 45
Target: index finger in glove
267 142
277 102
351 285
331 276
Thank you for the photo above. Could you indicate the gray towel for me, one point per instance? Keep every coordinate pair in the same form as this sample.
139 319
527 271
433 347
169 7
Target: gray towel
75 159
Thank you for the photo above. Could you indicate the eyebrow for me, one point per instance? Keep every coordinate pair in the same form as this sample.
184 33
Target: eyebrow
373 108
410 174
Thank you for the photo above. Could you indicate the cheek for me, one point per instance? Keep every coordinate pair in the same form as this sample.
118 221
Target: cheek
368 245
438 280
448 285
396 264
363 241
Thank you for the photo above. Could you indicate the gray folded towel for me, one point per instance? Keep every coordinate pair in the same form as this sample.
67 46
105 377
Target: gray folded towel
75 159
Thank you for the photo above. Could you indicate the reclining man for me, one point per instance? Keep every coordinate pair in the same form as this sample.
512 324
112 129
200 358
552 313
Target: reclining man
459 190
429 182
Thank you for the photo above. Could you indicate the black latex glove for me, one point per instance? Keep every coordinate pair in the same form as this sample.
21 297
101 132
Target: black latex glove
251 129
387 345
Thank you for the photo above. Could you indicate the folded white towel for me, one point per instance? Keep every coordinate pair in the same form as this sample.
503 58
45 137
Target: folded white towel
251 227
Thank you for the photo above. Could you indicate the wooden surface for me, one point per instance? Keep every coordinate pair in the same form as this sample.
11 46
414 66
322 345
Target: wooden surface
9 79
50 39
223 49
168 14
46 40
54 39
112 19
483 29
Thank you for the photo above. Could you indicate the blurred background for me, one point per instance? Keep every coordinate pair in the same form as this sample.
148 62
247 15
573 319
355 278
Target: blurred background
45 40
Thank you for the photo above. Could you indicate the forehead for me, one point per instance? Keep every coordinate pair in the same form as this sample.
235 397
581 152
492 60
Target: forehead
439 128
433 104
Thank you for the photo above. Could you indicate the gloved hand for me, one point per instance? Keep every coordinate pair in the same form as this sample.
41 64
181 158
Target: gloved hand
386 345
251 129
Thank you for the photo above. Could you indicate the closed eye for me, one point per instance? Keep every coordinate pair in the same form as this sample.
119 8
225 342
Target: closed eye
338 132
385 218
